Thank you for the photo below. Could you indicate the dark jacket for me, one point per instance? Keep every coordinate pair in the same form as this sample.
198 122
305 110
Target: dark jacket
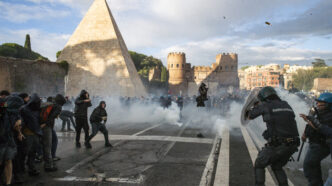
56 110
30 114
81 107
98 113
279 118
14 103
325 118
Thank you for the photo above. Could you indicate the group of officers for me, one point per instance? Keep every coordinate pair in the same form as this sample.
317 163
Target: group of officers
283 138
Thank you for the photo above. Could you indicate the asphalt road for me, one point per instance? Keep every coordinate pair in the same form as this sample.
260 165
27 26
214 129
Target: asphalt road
155 155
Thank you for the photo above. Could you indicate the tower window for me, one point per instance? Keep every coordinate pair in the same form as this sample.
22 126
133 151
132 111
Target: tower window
177 65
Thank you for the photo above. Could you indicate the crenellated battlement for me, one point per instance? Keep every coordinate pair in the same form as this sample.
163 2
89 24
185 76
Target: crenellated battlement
176 54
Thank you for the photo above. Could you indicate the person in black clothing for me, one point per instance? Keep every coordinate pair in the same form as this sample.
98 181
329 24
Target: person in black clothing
281 134
4 94
318 142
47 127
10 121
98 116
82 103
32 131
25 97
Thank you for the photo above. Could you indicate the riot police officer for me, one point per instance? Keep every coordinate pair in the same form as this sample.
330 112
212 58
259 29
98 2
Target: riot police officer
318 145
282 135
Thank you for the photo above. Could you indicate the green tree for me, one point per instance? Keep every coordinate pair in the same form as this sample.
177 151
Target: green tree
304 79
18 51
58 54
319 63
244 67
27 43
163 77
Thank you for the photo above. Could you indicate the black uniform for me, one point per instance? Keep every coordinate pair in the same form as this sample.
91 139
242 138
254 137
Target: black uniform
97 122
318 148
282 136
81 116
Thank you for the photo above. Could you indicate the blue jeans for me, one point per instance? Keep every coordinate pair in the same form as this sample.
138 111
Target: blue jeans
328 182
99 127
311 165
54 143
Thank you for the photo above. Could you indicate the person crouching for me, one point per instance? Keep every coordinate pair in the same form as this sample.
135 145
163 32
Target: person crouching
98 120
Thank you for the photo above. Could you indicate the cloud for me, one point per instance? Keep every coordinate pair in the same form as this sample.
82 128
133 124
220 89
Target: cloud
314 21
20 13
251 52
47 44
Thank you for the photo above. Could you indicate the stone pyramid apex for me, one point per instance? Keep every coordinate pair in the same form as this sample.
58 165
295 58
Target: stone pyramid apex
98 57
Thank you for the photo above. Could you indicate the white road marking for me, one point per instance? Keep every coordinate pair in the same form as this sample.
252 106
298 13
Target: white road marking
222 171
154 138
253 152
101 152
138 180
208 170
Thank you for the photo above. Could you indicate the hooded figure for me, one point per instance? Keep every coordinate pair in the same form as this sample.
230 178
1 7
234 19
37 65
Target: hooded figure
98 116
14 103
30 114
82 103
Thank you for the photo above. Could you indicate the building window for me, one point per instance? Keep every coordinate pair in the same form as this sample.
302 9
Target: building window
226 67
259 74
195 77
172 65
177 65
182 65
220 68
273 78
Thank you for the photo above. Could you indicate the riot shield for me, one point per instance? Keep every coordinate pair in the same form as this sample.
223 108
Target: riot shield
251 100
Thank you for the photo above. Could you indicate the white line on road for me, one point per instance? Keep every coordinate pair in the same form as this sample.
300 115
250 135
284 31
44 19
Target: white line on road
222 171
208 170
101 152
254 150
154 138
138 180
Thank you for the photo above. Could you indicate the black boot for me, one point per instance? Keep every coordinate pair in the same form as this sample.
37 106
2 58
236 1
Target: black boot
108 145
78 145
87 145
33 172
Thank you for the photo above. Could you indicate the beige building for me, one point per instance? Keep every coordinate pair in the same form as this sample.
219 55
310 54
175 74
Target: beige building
272 74
185 80
98 57
322 85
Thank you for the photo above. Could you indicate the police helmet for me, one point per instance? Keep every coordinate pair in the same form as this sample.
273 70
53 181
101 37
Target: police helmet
266 92
326 97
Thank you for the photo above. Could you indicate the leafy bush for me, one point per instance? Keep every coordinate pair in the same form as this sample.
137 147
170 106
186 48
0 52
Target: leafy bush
64 65
304 79
18 51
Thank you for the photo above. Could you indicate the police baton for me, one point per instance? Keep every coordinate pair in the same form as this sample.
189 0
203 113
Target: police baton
298 157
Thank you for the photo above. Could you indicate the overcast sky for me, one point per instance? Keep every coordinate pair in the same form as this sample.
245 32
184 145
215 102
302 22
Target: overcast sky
300 30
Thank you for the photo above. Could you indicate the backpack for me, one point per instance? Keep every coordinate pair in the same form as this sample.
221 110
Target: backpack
45 111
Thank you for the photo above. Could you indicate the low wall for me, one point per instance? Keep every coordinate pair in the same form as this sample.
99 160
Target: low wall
21 75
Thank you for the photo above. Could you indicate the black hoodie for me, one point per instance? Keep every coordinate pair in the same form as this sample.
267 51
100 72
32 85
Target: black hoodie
30 114
81 107
56 110
98 113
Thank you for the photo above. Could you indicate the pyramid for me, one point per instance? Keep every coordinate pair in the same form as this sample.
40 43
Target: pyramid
98 58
